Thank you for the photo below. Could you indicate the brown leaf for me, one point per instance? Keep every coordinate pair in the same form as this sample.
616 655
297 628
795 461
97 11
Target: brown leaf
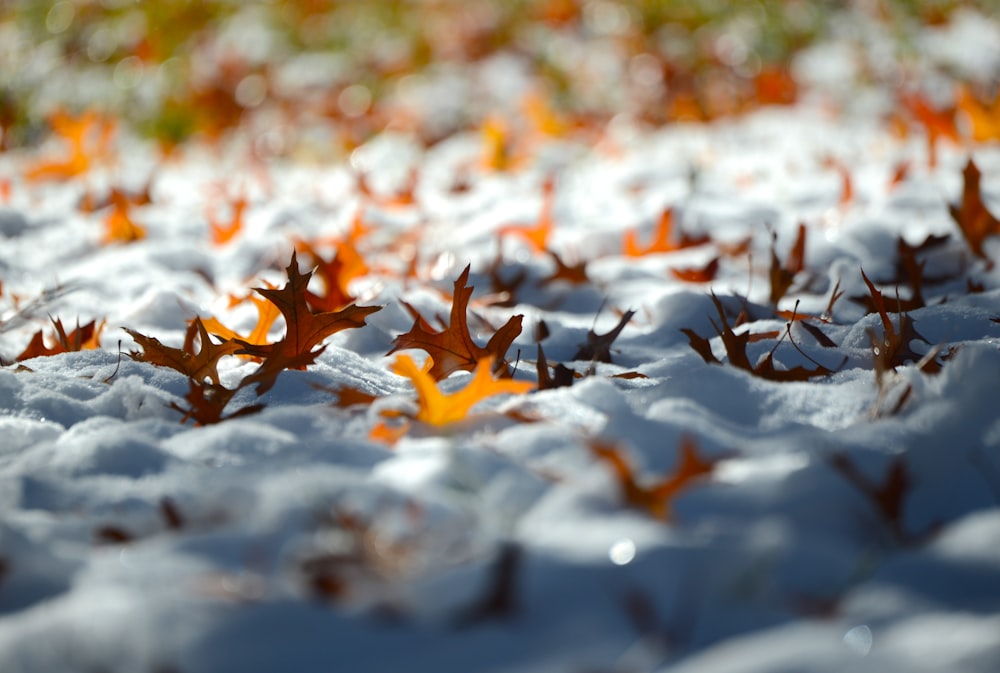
782 275
207 401
736 345
892 349
561 377
453 349
888 496
304 330
82 338
197 366
598 346
704 274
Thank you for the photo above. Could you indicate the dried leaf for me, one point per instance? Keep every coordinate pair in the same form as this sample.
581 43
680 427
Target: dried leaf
598 346
304 330
974 220
82 338
656 499
197 366
887 497
662 239
453 348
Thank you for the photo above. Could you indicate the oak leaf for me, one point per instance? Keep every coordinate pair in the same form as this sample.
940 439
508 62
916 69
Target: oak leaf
537 235
662 239
736 345
304 330
196 366
598 346
782 275
888 496
453 348
85 337
267 313
974 220
656 498
892 348
437 408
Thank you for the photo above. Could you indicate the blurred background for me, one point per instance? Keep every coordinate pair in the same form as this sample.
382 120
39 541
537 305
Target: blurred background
316 78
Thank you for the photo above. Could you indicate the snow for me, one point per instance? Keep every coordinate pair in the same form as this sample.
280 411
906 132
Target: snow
497 544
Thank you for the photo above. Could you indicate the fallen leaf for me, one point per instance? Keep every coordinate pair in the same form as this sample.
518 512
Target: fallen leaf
86 337
196 366
304 330
974 220
736 345
657 498
437 408
537 235
598 346
453 348
703 274
662 239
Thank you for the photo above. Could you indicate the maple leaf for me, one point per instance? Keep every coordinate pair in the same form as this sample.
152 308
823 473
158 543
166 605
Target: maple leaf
656 498
974 220
453 348
574 274
598 346
562 376
662 239
196 366
936 123
86 337
304 330
983 118
437 408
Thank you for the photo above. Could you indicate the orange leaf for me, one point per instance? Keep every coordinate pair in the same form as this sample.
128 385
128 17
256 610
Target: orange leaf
971 215
437 408
984 120
657 498
453 348
336 274
537 236
662 239
119 226
223 232
88 137
267 313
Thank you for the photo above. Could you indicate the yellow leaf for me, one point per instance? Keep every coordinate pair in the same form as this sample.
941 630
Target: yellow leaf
437 408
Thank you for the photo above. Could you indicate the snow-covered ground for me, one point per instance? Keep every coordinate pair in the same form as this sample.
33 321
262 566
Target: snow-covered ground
844 521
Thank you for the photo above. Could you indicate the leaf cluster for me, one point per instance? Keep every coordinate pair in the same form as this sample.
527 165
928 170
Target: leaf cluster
198 358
